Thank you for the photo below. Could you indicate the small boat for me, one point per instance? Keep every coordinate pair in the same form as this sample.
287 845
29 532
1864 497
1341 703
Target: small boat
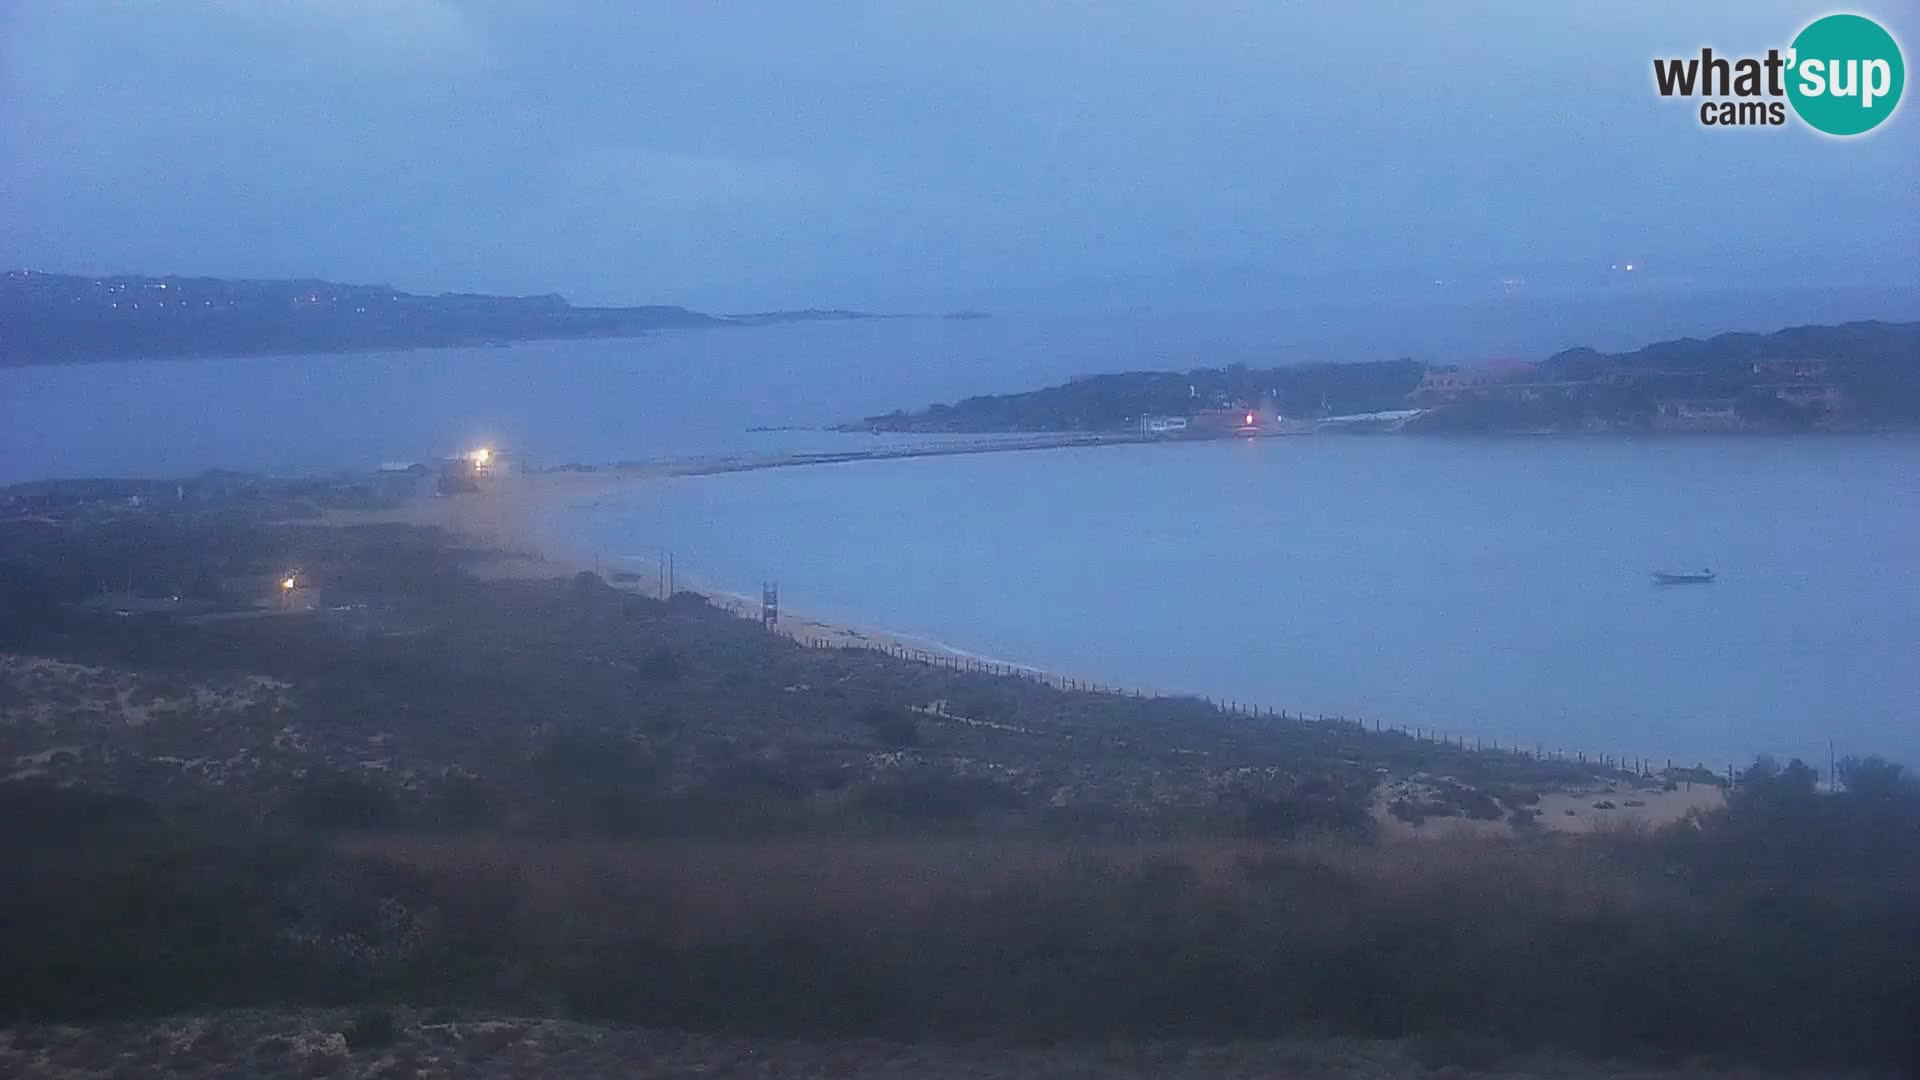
1702 577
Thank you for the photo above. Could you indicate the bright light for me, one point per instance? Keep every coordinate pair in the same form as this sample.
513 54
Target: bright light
482 455
1249 419
1629 266
287 582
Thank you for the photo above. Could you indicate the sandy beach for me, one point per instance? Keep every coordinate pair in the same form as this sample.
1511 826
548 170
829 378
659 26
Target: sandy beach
504 518
1646 803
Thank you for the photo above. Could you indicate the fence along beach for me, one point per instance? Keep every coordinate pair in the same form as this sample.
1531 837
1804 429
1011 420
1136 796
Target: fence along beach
509 516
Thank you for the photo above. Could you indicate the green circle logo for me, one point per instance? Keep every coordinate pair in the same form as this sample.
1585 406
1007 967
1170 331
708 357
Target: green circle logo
1845 74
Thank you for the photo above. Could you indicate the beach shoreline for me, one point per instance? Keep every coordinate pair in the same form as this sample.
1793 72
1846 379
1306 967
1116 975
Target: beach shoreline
505 523
504 520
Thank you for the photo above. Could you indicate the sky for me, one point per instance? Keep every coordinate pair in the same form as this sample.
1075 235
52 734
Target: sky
901 154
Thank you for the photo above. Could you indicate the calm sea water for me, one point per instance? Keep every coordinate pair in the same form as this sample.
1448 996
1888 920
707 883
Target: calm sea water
699 392
1497 587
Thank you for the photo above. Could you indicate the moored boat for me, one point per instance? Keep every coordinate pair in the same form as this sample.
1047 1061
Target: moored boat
1700 577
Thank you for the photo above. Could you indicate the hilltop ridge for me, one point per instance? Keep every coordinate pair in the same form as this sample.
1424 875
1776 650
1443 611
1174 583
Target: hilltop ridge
1855 376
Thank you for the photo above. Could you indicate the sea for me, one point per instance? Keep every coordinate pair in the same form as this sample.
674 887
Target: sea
1489 588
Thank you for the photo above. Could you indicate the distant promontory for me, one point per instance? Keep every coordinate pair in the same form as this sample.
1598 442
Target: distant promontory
66 318
1858 376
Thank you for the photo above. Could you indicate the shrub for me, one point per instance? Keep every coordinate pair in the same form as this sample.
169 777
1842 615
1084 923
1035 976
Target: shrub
1873 777
464 803
891 727
660 665
371 1030
38 813
28 601
1287 816
935 798
1458 1050
1471 802
329 799
1417 811
572 757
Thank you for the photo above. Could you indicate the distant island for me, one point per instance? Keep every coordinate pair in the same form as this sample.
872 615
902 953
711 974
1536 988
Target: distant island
66 318
1858 376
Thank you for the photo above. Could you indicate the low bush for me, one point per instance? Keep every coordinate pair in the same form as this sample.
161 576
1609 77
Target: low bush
372 1029
892 728
1699 940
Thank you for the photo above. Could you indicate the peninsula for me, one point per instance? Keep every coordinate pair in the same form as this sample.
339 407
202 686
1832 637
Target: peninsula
1853 377
65 318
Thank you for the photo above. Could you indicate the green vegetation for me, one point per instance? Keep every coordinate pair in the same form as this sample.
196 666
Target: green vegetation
1857 376
561 797
1117 402
1747 939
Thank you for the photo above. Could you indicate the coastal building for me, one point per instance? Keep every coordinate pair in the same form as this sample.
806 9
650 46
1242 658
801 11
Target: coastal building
1696 414
1455 383
1636 376
400 479
1822 396
486 461
1554 390
457 476
463 472
1791 370
1163 426
1237 419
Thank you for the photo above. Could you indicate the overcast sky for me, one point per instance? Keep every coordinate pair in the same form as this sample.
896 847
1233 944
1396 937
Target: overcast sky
894 154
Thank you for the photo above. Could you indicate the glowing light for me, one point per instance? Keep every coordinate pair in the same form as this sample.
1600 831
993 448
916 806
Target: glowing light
1629 266
482 455
1249 419
287 582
